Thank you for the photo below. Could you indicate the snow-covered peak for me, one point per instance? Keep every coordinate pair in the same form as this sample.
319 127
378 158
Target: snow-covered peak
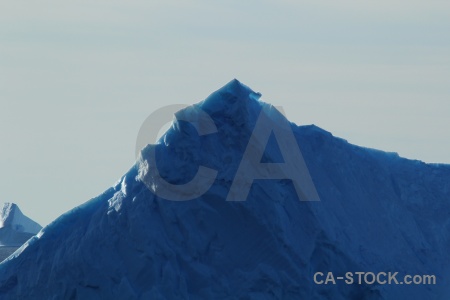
11 217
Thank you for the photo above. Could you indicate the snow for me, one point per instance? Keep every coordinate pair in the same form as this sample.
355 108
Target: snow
377 212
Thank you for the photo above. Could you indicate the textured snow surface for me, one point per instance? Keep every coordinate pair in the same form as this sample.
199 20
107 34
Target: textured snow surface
378 212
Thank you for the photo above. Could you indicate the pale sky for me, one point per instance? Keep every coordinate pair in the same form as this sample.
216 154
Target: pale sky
78 79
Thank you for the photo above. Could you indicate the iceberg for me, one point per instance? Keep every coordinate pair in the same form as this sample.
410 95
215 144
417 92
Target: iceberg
15 229
378 213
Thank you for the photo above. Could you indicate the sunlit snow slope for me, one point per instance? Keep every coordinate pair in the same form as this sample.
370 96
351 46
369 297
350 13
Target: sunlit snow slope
378 212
